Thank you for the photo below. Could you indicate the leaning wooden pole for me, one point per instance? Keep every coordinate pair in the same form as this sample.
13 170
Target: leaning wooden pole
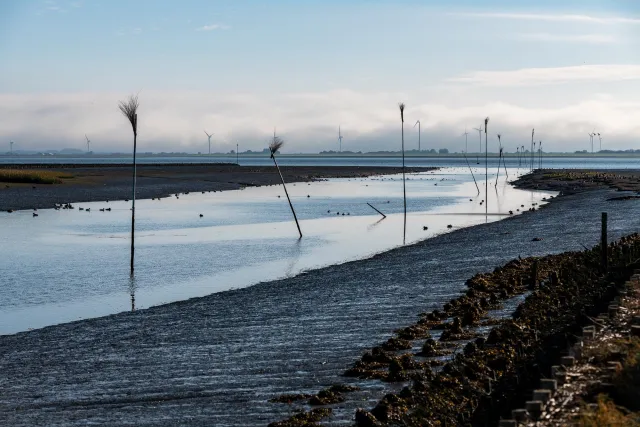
274 147
293 211
374 208
470 170
504 163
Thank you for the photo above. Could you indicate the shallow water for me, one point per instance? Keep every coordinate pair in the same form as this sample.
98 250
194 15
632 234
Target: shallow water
70 264
559 162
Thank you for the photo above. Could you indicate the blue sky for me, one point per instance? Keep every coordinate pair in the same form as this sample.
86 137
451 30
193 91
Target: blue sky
238 68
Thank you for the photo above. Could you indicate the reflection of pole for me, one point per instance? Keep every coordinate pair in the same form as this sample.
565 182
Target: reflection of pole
372 207
132 292
604 249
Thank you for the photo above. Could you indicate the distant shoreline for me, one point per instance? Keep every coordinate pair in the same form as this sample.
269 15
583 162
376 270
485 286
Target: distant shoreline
252 155
102 182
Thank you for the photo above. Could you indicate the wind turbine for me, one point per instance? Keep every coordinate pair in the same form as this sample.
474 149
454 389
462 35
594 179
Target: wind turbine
209 136
340 137
591 135
600 138
465 140
479 151
418 123
88 143
11 146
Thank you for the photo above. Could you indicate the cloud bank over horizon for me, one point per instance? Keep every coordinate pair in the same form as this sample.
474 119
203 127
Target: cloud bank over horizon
228 70
175 121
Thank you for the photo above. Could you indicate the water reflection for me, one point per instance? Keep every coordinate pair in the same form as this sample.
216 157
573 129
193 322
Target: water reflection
294 254
132 292
245 237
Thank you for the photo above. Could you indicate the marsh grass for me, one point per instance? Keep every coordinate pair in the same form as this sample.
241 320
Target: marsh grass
608 415
25 176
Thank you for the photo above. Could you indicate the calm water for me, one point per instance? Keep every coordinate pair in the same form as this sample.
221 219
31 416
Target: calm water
591 162
70 264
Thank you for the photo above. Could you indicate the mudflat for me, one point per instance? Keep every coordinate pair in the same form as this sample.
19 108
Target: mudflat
99 182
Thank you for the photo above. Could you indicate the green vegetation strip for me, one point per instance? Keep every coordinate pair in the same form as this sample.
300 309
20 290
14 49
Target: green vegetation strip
32 176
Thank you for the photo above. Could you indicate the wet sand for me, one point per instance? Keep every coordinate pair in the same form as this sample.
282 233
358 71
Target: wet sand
93 183
217 360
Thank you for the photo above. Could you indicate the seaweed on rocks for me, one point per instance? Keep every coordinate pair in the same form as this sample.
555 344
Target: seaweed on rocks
483 382
333 394
304 419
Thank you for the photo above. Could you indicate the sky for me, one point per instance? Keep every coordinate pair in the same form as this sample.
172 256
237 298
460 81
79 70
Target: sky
239 68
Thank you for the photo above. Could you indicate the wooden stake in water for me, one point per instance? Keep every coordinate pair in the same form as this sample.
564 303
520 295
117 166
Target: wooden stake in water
129 109
473 176
603 243
486 170
404 187
373 207
275 145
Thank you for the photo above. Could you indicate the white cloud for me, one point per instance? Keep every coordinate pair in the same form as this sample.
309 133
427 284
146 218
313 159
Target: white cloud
552 17
570 38
137 30
213 27
542 76
308 121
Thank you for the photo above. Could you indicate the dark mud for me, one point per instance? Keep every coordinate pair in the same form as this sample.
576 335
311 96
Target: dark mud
492 375
94 183
218 360
572 181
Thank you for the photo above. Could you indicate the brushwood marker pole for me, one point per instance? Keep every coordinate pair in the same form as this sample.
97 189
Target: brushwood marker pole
133 199
603 243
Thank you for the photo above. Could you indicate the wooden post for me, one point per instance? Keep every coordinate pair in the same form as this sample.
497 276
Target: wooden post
133 199
372 207
534 274
287 194
603 243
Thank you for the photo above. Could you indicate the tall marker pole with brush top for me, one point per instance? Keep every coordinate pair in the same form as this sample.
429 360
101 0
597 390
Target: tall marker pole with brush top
404 187
275 145
129 109
533 131
486 169
499 158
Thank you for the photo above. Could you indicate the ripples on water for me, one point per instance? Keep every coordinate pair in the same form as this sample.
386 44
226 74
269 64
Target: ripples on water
70 264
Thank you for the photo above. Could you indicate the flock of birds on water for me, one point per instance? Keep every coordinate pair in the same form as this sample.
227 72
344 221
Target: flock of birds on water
69 206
